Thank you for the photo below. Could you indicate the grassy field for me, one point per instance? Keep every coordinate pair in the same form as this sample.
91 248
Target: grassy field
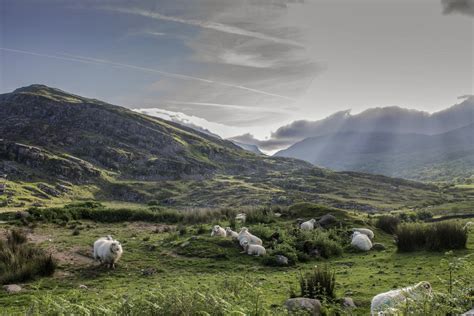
163 257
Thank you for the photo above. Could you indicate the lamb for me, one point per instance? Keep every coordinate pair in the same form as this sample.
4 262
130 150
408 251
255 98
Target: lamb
361 241
364 231
387 302
218 231
108 251
231 233
245 235
308 225
254 250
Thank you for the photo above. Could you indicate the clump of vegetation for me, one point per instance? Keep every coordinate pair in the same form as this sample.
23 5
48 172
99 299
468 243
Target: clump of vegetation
388 223
433 237
20 261
319 283
318 242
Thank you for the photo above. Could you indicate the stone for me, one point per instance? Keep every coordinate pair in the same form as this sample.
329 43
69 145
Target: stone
378 246
327 220
302 303
12 288
348 302
281 260
469 313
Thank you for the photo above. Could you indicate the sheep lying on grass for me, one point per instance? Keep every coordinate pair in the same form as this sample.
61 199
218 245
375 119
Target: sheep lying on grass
361 242
218 231
108 251
468 225
308 225
364 231
245 235
231 233
386 303
253 250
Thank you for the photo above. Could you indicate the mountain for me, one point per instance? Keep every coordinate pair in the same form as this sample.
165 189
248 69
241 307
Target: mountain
249 147
56 146
440 157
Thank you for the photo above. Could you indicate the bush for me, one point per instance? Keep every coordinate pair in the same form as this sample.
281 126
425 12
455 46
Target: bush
433 237
388 223
20 261
424 215
283 249
308 241
319 284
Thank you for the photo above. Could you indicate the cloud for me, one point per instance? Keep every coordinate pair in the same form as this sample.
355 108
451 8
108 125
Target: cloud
220 27
458 6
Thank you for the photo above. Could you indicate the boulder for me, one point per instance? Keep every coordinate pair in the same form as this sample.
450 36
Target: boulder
469 313
281 260
12 288
302 303
327 220
348 302
378 246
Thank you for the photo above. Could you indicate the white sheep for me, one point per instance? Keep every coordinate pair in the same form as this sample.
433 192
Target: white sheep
241 217
108 251
218 231
468 225
361 241
308 225
365 231
231 233
386 303
252 239
254 250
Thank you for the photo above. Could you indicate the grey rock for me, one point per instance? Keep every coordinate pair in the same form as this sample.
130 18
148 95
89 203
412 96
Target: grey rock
348 302
301 303
327 220
12 288
378 246
469 313
281 260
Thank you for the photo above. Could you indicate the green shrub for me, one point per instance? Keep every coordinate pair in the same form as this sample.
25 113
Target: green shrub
262 231
283 249
21 261
308 241
433 237
388 223
319 283
424 215
260 215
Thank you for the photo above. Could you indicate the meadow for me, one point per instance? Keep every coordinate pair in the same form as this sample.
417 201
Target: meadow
172 263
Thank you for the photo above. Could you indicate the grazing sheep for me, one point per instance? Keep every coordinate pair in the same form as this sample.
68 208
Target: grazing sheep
108 251
468 225
364 231
252 239
308 225
254 250
218 231
241 217
231 233
387 302
361 241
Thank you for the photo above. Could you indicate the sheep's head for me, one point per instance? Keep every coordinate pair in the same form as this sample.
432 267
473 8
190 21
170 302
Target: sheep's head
228 230
216 228
313 221
245 244
115 247
425 286
244 230
109 237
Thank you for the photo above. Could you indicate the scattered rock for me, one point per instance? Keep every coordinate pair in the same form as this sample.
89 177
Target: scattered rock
12 288
311 305
281 260
378 246
327 220
83 287
469 313
348 302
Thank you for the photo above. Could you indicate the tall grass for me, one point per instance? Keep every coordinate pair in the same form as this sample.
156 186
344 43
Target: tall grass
319 283
20 261
388 223
433 237
232 296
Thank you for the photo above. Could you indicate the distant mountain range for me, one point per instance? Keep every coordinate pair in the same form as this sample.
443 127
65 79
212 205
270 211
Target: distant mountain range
59 146
395 142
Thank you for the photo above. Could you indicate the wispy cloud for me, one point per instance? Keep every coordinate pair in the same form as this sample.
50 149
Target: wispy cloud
83 59
220 27
232 106
458 6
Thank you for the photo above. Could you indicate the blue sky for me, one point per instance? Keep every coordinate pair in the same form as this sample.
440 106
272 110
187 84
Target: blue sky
243 65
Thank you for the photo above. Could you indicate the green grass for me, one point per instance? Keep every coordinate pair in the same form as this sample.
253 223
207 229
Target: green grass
194 263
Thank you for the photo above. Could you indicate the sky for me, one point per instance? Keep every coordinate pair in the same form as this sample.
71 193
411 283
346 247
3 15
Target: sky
243 66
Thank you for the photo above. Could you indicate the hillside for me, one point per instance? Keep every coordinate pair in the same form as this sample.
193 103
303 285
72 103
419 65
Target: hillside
441 157
58 146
